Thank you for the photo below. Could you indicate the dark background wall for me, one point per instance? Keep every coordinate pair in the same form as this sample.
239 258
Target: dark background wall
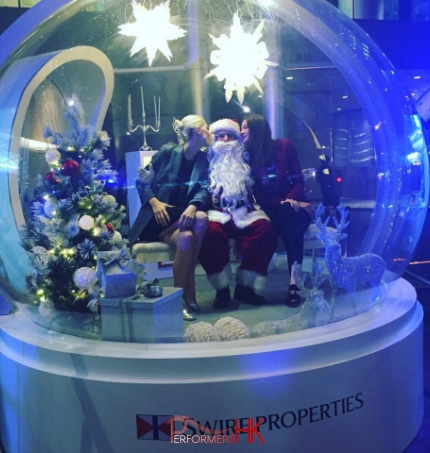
405 43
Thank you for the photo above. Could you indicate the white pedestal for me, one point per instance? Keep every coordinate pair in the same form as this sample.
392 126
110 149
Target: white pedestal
351 386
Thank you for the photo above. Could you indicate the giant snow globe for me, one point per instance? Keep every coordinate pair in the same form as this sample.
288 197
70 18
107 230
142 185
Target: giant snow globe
88 93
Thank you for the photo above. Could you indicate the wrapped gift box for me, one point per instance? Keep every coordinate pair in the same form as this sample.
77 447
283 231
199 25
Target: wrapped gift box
117 272
142 319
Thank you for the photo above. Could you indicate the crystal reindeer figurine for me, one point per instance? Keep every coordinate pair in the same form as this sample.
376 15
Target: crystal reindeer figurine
347 273
314 296
143 126
306 318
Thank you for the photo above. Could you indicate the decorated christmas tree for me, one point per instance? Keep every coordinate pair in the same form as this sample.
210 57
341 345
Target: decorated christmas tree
72 217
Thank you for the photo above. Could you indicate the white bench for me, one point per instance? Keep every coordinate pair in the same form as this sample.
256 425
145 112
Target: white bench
151 252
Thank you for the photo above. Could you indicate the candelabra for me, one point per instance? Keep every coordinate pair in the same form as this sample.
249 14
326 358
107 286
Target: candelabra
143 126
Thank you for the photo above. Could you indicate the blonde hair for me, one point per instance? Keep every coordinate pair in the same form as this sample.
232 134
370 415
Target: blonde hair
184 128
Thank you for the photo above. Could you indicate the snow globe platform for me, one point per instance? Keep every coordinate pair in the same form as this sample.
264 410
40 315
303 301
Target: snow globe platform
351 385
354 385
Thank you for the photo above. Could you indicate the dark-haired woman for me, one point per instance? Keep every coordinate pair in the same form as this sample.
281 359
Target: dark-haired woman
279 189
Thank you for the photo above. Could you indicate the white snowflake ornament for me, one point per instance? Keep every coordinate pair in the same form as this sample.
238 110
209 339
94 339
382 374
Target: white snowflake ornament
152 30
240 59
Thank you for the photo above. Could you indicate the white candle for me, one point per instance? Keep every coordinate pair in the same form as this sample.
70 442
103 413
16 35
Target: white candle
143 104
129 116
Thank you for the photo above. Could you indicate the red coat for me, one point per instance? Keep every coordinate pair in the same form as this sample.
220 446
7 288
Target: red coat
282 180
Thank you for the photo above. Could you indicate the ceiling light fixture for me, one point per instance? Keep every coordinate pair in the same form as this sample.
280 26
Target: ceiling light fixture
240 59
152 29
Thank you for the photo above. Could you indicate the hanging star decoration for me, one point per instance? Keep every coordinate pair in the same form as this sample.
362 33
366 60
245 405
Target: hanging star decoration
152 29
240 59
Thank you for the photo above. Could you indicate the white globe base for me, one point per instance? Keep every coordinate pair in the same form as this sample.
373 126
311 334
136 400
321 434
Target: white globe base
352 386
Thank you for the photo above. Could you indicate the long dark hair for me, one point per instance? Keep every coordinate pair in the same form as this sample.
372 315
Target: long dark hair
259 145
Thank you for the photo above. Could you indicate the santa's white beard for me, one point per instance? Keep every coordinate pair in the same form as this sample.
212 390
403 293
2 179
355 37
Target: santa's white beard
229 174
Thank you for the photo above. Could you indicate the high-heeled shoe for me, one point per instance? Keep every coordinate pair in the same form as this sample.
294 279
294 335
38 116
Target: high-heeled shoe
187 315
293 296
192 306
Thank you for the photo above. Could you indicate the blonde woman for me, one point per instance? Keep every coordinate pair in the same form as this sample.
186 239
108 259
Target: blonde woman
173 193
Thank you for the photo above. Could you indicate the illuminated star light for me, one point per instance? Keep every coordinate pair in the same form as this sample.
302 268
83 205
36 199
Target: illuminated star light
241 59
152 30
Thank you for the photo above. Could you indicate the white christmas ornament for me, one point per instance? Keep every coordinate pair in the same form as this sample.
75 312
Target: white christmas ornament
85 277
152 30
240 60
49 208
116 238
109 201
52 156
86 222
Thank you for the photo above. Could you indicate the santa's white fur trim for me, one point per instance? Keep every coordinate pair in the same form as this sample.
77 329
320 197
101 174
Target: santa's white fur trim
219 216
240 216
243 218
222 279
225 125
252 279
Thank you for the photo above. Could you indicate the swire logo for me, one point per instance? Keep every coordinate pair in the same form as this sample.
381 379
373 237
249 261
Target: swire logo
180 429
177 428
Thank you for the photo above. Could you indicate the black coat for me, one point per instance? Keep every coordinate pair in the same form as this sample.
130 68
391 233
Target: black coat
166 164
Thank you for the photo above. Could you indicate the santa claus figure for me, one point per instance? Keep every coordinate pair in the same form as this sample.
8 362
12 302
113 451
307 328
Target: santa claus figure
234 216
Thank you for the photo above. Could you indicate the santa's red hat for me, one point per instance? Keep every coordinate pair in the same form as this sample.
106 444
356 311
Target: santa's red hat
225 125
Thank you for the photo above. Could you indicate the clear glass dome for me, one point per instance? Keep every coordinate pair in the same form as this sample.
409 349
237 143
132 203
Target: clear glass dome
331 91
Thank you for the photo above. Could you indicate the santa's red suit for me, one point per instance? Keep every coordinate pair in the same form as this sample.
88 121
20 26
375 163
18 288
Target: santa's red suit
234 216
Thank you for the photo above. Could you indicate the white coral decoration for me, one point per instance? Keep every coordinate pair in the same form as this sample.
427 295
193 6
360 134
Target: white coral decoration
231 329
201 332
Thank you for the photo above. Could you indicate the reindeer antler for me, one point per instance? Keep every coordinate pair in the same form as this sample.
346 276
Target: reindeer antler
318 279
298 275
321 226
343 224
